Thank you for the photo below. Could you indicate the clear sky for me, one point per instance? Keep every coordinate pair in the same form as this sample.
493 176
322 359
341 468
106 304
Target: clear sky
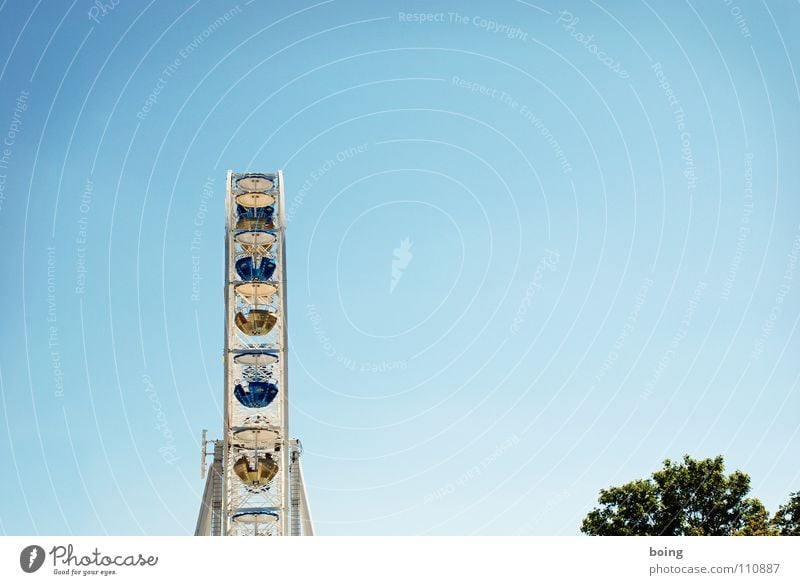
533 250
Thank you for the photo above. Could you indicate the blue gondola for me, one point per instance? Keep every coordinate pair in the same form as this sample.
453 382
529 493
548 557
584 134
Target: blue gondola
264 213
262 272
257 395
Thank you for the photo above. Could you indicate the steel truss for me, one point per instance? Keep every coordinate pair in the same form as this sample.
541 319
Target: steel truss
255 485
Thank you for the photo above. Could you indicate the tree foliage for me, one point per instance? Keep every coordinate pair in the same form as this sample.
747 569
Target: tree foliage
787 518
756 521
686 498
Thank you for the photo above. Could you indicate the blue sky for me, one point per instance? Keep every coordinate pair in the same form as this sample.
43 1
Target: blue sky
533 250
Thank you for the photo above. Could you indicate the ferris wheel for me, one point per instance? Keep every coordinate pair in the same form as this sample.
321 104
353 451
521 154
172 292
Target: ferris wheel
255 484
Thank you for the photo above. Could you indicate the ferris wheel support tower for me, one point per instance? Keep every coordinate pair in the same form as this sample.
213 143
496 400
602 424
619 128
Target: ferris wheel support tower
255 485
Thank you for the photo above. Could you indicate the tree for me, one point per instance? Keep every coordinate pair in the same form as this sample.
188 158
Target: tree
756 521
627 511
688 498
787 518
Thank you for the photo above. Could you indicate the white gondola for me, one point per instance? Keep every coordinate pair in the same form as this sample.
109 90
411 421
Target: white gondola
255 182
256 437
255 358
255 238
256 293
256 515
255 199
